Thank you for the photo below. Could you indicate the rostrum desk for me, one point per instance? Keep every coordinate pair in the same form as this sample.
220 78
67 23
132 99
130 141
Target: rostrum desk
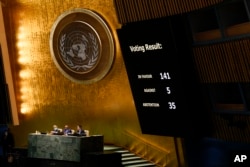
60 147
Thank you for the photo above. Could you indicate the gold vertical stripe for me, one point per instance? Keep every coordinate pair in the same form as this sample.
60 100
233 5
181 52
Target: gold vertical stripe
140 10
120 11
232 66
192 5
197 62
147 7
246 46
245 60
206 63
175 7
216 61
240 53
200 4
212 67
227 62
217 67
155 10
168 7
128 10
160 10
165 5
133 10
211 74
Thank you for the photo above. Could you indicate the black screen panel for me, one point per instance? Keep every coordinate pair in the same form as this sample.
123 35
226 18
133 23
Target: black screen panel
162 77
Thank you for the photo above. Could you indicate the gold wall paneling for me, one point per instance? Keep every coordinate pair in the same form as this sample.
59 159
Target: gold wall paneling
223 62
137 10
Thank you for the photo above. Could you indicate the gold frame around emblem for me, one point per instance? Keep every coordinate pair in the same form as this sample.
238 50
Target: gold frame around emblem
94 30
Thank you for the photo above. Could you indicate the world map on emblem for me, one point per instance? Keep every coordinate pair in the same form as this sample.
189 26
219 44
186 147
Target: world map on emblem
79 47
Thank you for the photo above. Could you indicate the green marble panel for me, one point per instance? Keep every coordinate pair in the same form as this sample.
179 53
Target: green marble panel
60 147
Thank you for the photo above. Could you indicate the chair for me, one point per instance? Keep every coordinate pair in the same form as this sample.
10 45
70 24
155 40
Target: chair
86 132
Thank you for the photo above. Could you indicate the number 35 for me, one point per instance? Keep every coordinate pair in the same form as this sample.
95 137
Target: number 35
172 105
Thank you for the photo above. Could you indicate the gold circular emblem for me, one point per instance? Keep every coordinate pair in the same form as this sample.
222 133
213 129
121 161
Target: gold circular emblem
82 46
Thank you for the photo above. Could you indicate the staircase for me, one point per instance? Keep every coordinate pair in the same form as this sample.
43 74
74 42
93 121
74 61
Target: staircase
129 159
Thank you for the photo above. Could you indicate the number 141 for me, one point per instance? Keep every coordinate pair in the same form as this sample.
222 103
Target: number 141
165 75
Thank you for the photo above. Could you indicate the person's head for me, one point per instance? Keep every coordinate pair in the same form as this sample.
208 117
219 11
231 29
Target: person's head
79 126
6 131
66 126
54 127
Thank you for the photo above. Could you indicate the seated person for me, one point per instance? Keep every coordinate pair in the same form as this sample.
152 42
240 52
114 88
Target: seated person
80 131
56 130
67 130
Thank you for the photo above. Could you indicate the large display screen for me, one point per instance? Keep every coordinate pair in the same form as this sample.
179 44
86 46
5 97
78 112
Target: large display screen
161 73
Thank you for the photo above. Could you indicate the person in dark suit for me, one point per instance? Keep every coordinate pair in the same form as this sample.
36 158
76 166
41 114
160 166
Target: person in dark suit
67 130
80 131
7 142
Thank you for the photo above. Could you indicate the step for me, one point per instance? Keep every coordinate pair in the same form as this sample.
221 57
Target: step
141 165
122 151
130 158
113 148
135 162
128 154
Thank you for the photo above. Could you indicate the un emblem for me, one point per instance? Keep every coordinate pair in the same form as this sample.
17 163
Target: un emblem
82 46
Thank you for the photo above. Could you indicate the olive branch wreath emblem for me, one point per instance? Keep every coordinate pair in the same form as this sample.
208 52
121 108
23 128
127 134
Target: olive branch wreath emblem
92 60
